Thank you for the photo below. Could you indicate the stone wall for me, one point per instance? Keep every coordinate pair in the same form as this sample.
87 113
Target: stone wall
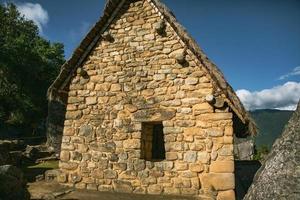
135 79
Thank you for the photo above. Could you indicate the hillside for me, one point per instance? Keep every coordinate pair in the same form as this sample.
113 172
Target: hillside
270 124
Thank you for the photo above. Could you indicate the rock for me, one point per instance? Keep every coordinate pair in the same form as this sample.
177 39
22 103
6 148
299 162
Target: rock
279 177
51 175
35 152
39 177
243 148
13 184
122 186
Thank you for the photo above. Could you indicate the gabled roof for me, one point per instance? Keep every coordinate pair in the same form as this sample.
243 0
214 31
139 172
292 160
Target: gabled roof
111 9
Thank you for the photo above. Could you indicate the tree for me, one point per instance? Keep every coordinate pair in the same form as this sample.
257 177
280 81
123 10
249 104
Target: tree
28 65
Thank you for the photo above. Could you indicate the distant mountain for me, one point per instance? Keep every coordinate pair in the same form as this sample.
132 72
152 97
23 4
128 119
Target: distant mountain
270 123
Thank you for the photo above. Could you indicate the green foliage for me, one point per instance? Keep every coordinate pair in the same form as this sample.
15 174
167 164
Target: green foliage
47 165
28 65
261 152
270 124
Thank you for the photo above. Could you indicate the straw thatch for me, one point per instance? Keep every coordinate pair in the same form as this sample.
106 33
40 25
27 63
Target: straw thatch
94 35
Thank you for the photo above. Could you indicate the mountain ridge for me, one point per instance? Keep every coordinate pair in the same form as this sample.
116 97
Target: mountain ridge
270 123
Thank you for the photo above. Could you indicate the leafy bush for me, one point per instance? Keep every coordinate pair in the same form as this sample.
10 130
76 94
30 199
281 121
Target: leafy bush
28 65
261 152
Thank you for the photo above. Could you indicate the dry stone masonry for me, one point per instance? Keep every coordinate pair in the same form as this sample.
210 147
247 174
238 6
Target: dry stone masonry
137 119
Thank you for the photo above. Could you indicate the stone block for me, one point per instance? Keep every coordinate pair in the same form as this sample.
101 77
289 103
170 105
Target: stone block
203 157
171 156
171 191
197 167
72 100
191 81
76 156
154 189
222 167
110 174
226 150
73 114
92 186
98 173
68 165
226 195
228 131
91 100
122 186
172 130
155 114
190 156
218 181
64 156
69 131
182 183
129 174
195 183
195 131
202 108
185 123
105 188
213 132
190 101
86 130
132 144
189 191
181 166
188 174
159 77
216 116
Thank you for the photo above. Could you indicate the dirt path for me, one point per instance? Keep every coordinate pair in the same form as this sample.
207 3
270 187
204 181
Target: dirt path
42 190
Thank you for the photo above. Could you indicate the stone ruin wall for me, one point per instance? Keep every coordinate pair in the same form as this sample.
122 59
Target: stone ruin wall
136 79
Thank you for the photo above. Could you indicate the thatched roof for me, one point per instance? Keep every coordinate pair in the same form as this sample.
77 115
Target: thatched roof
111 8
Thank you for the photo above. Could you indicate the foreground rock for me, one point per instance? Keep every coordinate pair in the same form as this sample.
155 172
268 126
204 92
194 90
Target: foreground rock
279 177
12 184
11 152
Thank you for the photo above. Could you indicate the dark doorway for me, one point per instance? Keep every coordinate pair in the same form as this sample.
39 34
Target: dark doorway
153 145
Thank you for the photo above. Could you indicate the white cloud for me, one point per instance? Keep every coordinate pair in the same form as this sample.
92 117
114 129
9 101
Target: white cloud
282 97
34 12
295 72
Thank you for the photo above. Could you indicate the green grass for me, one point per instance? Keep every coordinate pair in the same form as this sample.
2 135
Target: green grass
46 164
31 170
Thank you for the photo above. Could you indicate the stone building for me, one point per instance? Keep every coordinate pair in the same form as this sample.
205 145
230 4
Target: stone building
143 110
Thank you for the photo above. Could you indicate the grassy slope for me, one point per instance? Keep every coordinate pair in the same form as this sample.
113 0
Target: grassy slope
271 124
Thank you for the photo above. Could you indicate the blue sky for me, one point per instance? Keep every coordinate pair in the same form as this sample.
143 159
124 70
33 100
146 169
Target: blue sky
255 43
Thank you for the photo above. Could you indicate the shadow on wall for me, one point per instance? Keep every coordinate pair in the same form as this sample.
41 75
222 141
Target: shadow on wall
244 175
